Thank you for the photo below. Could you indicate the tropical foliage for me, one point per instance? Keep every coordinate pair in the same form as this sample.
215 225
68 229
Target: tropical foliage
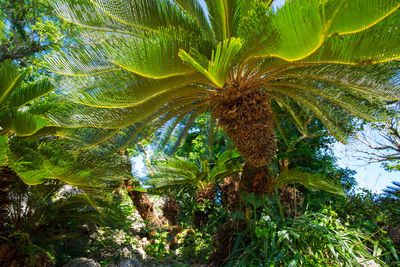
14 95
167 60
184 82
175 171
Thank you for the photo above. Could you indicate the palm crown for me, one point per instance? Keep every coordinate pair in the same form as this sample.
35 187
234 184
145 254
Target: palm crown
14 96
143 63
175 171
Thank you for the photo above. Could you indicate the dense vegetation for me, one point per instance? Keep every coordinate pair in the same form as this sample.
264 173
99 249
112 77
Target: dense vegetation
232 107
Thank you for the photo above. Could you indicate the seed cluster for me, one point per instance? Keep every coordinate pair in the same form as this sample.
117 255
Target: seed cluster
244 113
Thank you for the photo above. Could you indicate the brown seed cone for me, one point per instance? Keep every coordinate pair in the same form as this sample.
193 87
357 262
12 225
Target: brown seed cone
245 115
230 197
170 210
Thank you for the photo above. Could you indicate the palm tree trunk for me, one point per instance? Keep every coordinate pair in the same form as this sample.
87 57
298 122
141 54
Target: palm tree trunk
144 206
7 253
245 115
6 177
230 197
205 197
170 210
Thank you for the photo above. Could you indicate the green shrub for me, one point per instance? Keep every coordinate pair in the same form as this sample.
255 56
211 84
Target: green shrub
312 239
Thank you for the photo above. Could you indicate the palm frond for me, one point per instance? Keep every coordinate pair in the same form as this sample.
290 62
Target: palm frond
147 15
3 149
167 130
29 93
10 78
357 104
373 11
185 129
86 15
378 80
120 89
221 14
393 190
87 116
218 67
285 33
227 164
331 115
194 9
374 45
310 180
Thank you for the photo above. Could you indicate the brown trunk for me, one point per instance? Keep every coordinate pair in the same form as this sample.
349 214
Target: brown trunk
230 197
245 115
291 199
224 243
204 197
144 206
244 112
394 233
170 210
6 177
257 180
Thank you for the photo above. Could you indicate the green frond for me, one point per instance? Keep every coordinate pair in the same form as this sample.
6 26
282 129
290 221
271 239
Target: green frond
120 89
221 60
227 164
153 56
310 180
167 131
285 33
221 14
296 112
141 130
147 15
3 149
331 115
378 80
38 162
358 15
377 44
10 79
29 93
82 62
22 123
75 115
86 15
183 132
356 103
194 9
393 190
173 171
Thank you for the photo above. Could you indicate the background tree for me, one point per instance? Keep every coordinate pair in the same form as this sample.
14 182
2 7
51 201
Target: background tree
29 28
174 172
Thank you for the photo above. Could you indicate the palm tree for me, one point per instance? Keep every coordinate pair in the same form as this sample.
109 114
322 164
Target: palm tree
144 63
174 172
15 119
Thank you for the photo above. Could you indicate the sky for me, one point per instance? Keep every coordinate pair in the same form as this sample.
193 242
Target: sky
370 176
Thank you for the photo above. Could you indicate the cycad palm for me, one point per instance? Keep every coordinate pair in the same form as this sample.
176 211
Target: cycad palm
175 172
15 120
144 63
